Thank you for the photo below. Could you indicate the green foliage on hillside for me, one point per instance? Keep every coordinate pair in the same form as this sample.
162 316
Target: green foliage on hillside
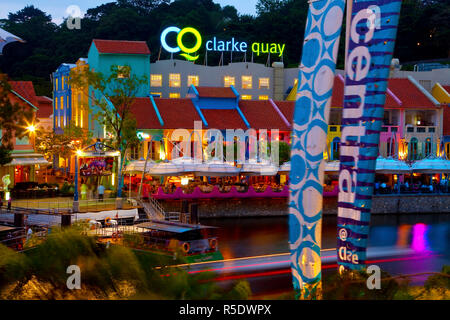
423 32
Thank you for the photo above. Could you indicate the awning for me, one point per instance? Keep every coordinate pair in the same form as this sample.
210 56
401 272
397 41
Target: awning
28 161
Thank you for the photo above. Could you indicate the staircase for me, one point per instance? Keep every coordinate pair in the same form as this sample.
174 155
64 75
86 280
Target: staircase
153 209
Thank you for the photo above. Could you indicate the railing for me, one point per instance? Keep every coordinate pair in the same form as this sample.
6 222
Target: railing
233 193
66 205
153 209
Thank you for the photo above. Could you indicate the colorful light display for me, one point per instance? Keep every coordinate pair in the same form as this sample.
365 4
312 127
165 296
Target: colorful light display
371 39
316 77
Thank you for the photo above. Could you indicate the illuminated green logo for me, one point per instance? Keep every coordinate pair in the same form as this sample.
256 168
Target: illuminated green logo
181 47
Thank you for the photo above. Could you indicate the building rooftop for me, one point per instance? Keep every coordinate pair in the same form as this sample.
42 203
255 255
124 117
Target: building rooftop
215 92
121 46
45 105
25 90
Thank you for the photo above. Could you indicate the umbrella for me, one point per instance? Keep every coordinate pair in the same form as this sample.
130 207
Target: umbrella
188 164
432 165
263 168
285 167
138 166
6 37
391 166
332 166
165 168
216 168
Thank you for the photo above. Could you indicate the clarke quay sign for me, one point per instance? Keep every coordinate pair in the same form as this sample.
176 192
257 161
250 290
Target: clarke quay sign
214 44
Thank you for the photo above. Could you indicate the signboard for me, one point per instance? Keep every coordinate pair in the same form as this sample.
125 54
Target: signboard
98 166
371 40
214 44
316 78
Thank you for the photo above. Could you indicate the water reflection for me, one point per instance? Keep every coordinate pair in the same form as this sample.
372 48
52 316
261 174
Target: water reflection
243 237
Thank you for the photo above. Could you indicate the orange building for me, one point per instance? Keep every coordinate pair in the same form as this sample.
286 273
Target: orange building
25 161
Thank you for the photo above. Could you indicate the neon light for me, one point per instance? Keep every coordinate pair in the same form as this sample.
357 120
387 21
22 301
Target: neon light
197 36
163 39
216 45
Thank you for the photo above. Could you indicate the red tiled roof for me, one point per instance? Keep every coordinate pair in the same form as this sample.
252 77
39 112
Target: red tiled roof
447 88
287 108
223 119
45 105
262 115
121 46
145 114
409 94
26 90
215 92
177 113
403 89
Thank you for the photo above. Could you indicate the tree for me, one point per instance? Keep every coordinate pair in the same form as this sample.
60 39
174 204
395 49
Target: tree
113 97
63 145
14 119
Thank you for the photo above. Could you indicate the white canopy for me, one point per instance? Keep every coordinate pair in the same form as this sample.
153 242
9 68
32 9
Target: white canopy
138 166
285 167
263 168
165 169
332 166
216 168
391 166
31 160
432 165
387 166
188 164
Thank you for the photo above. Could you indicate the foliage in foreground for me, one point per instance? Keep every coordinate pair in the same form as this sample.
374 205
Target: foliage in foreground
352 286
106 273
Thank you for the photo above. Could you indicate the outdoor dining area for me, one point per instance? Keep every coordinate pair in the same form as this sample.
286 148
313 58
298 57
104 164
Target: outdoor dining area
187 178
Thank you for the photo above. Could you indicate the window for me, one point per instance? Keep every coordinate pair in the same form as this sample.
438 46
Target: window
134 153
56 84
428 147
413 149
335 149
263 97
229 81
247 82
123 72
192 80
264 83
174 95
61 105
156 80
246 97
174 80
22 141
390 145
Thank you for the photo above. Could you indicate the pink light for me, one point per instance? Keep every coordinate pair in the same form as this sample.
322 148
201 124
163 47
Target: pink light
419 241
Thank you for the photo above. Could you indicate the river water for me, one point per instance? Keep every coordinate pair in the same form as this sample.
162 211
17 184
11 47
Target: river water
244 237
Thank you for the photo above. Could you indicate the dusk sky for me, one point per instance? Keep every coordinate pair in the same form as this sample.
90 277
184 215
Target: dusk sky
57 8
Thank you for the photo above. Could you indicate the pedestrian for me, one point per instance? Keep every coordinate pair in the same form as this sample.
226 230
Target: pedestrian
101 192
9 204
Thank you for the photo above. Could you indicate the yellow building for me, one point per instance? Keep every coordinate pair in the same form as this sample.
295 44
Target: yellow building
80 101
441 93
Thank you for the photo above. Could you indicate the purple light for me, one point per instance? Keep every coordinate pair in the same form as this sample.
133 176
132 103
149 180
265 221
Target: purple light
419 241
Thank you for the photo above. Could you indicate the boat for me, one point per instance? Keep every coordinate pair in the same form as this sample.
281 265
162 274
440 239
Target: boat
191 242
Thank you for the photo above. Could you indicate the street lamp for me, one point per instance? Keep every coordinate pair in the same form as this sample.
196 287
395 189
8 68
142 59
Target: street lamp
76 204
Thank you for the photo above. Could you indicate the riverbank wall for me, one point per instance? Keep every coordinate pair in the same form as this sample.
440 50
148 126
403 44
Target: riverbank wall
254 207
